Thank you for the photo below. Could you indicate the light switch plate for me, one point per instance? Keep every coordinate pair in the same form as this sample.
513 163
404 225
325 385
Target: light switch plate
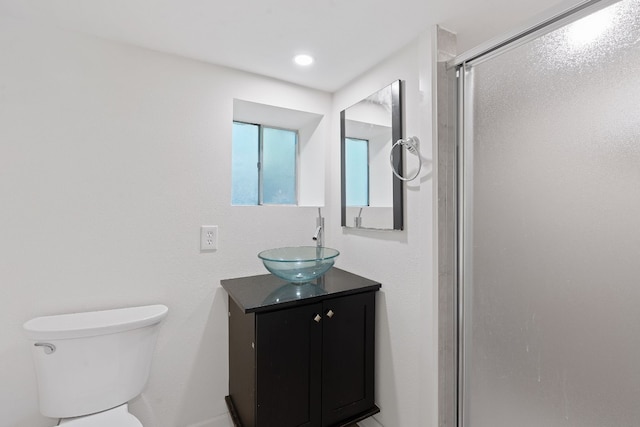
208 237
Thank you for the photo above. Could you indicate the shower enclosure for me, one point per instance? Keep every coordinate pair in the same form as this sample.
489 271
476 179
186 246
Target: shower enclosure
548 225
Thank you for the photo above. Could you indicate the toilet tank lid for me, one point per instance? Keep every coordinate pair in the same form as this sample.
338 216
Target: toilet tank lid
93 323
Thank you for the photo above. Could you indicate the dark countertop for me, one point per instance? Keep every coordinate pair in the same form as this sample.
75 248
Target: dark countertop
267 292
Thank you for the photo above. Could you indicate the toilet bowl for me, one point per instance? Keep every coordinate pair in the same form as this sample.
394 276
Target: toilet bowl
89 365
116 417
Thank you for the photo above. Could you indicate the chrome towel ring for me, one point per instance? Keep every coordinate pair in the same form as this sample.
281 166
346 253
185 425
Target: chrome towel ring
411 144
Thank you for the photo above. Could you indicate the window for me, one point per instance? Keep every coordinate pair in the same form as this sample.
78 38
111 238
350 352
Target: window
244 164
301 154
263 165
357 167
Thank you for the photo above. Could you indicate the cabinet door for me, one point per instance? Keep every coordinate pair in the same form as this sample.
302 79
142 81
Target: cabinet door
289 357
348 357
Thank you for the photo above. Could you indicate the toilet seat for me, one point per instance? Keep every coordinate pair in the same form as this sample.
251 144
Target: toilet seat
116 417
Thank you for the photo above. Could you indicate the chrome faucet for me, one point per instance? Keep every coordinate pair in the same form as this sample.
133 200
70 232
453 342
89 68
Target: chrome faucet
318 236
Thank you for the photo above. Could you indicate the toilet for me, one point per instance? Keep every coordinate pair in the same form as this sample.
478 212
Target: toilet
89 365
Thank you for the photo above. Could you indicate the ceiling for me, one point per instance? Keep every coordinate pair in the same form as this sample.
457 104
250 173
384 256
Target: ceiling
346 37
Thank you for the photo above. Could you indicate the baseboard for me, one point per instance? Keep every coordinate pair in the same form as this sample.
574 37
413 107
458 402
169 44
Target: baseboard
219 421
369 422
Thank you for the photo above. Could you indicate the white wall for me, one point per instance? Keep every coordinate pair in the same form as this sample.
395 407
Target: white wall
406 339
111 157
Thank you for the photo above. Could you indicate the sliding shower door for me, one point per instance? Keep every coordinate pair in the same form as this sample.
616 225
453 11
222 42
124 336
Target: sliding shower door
551 228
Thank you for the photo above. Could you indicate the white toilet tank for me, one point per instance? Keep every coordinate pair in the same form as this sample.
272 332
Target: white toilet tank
90 362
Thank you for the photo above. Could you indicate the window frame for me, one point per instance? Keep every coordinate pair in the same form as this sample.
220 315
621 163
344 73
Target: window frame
260 164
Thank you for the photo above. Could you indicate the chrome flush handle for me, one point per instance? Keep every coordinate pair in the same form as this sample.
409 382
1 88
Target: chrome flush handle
48 348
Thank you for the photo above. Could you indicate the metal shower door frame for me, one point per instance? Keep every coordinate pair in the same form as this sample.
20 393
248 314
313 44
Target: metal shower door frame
452 196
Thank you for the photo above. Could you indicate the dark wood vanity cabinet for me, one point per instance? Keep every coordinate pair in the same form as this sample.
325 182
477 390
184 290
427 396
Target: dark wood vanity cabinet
308 362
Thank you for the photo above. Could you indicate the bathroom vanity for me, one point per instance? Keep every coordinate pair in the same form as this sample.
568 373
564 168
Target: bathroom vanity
301 355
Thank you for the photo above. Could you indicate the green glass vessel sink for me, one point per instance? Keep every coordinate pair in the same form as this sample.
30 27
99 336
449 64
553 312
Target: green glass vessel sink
299 264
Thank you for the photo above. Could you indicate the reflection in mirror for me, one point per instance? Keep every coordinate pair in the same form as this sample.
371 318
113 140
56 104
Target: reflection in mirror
356 158
371 194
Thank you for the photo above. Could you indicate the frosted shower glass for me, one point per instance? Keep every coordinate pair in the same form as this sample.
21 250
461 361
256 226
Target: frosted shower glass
552 229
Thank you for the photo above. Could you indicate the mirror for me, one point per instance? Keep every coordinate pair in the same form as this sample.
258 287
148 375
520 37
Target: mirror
371 193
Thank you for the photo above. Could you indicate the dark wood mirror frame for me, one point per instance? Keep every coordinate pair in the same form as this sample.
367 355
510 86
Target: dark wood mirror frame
397 121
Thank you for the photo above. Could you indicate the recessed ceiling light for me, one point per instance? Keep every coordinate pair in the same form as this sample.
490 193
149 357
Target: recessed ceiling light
303 60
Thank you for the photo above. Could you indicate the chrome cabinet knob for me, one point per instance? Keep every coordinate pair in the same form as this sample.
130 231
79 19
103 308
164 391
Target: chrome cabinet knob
330 314
318 318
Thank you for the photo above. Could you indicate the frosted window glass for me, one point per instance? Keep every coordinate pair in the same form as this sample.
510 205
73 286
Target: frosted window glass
263 165
244 164
279 166
552 235
357 169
